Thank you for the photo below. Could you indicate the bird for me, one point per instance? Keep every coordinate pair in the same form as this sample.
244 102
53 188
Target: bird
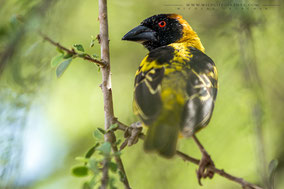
175 86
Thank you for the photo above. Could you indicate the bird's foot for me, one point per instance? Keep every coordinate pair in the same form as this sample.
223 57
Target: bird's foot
204 164
132 134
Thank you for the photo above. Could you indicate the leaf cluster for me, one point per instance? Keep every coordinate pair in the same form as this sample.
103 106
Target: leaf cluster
93 161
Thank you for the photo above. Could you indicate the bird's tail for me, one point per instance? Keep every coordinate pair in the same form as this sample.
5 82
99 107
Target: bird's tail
163 139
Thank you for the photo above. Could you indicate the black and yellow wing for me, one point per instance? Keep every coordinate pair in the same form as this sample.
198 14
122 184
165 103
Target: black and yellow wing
201 88
147 93
175 90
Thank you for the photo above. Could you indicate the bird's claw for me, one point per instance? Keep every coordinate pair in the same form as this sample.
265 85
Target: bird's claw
204 164
131 135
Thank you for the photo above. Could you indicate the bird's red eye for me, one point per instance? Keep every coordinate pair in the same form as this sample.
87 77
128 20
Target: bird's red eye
162 24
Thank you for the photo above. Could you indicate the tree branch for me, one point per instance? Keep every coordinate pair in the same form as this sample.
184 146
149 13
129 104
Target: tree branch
108 108
73 52
186 157
120 166
107 96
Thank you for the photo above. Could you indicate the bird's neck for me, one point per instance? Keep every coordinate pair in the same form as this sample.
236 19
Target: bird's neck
191 38
195 42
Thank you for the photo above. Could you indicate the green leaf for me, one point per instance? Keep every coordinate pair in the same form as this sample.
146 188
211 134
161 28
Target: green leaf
56 60
95 56
92 43
62 67
91 151
105 148
60 50
80 171
68 55
86 185
98 135
79 47
113 166
118 142
82 55
82 159
113 127
102 130
121 176
94 166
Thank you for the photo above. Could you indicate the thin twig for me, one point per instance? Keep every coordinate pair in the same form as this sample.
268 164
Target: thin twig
73 52
185 157
120 165
107 96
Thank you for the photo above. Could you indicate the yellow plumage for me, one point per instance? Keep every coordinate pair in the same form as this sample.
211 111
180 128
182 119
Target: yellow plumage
175 85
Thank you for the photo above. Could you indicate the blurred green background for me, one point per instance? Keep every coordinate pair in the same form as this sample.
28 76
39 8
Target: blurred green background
46 122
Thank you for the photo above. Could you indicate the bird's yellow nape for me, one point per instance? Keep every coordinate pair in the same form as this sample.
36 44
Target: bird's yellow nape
189 35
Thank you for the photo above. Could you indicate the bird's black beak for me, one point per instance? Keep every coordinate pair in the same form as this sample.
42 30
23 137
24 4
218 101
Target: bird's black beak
140 34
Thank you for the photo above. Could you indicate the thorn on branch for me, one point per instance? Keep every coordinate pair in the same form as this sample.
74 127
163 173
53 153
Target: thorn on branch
99 38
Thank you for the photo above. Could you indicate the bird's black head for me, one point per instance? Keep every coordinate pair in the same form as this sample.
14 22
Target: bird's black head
157 31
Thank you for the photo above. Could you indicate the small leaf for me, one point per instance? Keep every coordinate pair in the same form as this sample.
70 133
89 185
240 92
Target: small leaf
101 130
56 60
86 185
118 142
92 43
113 127
113 166
80 171
79 47
62 67
68 55
95 56
91 151
82 55
98 135
82 159
105 148
94 166
60 50
121 176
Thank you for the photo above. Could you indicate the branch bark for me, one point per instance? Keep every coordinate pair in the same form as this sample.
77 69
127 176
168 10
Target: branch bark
107 95
185 157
